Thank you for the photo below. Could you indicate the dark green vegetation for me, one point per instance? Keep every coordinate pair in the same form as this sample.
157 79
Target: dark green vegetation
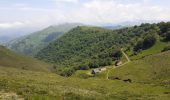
146 42
85 46
92 47
33 43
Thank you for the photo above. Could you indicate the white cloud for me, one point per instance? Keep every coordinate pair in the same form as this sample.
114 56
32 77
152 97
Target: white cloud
112 11
11 25
88 12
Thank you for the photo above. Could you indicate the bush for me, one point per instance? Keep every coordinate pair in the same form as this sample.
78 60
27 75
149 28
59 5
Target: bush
138 46
84 67
116 54
148 42
167 36
166 48
67 72
93 65
145 43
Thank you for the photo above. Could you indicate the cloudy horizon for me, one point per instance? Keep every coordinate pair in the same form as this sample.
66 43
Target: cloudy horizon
38 13
22 17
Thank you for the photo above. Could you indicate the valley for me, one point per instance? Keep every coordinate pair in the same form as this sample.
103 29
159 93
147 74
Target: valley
84 49
42 85
62 70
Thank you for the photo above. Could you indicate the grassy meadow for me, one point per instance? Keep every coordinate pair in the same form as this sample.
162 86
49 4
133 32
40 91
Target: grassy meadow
146 84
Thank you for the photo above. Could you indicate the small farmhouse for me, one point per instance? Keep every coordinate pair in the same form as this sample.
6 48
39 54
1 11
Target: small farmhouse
98 70
118 63
95 71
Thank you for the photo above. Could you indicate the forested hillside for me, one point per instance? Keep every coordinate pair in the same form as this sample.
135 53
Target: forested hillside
34 42
92 47
85 47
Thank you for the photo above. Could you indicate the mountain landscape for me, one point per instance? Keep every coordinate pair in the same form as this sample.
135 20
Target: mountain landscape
31 44
85 50
93 47
71 57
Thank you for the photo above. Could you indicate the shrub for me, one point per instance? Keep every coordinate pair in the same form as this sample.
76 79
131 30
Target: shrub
116 54
84 67
67 72
166 48
148 42
145 43
167 36
138 46
93 65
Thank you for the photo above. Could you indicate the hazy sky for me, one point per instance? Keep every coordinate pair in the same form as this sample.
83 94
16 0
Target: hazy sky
38 13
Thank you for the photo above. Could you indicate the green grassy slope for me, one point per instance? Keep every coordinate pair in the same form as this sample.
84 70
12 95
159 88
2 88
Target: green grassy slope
11 59
150 81
147 63
153 69
157 48
34 42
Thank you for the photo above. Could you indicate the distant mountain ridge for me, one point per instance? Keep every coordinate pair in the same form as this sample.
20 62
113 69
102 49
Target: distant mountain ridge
34 42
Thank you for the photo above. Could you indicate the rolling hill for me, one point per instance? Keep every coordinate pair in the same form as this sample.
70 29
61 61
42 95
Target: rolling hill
150 81
31 44
83 45
91 47
10 59
154 69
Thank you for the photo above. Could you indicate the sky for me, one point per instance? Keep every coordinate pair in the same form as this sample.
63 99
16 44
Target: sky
42 13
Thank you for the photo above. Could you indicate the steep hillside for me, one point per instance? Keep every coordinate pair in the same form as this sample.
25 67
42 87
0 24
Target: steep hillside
13 60
84 45
33 43
92 47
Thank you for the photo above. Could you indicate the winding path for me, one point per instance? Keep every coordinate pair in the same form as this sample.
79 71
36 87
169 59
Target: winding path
128 60
113 67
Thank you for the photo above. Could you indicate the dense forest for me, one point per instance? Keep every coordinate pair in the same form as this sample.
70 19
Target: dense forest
92 47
